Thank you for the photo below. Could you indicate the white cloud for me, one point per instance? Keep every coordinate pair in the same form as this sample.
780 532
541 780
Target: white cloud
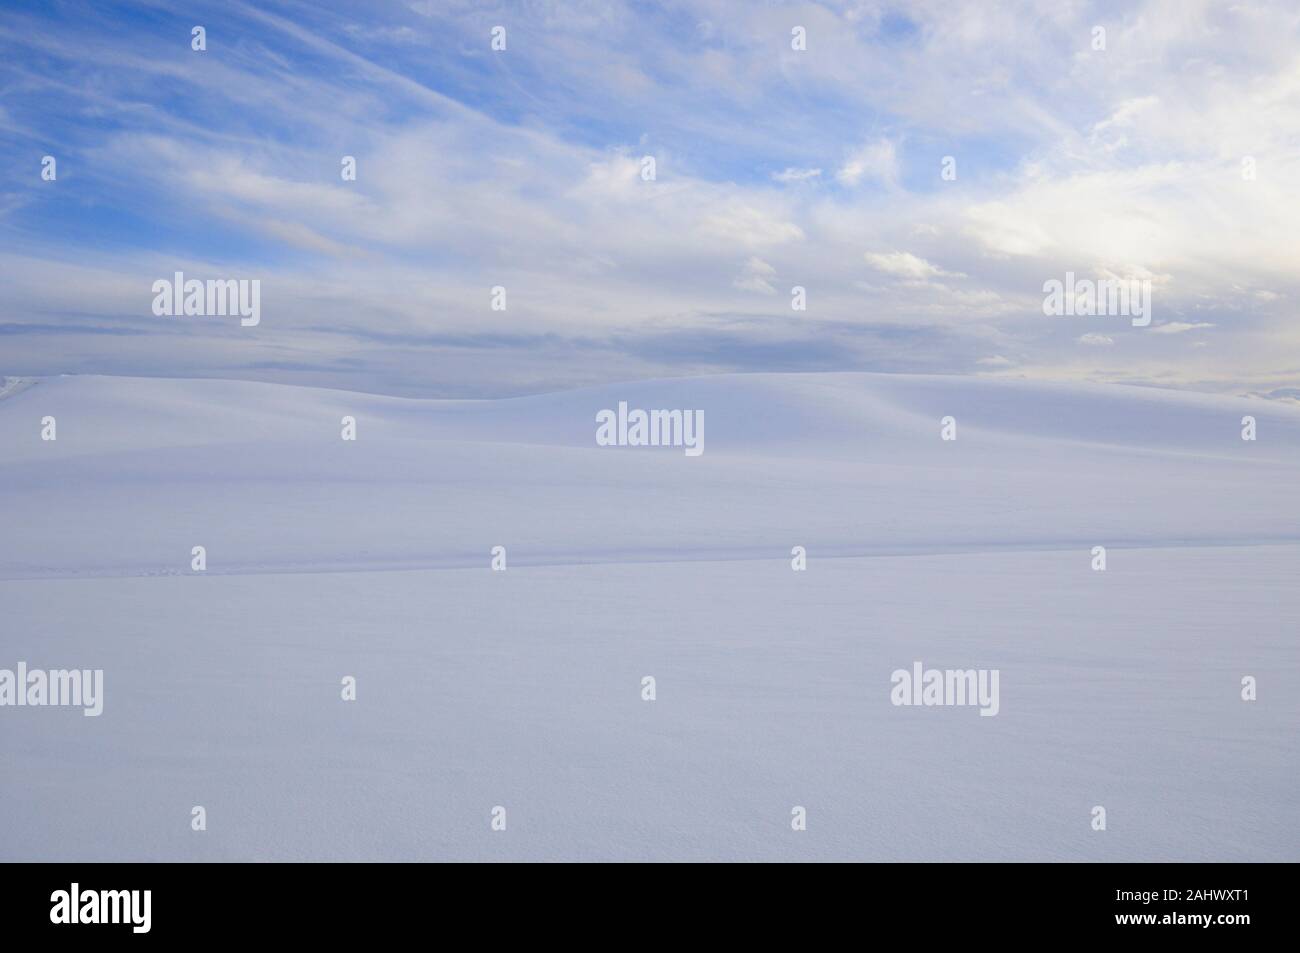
875 161
1124 113
750 225
1178 327
1111 133
1096 340
796 175
754 275
902 264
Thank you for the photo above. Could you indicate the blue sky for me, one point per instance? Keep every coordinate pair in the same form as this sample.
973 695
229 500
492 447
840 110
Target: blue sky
775 167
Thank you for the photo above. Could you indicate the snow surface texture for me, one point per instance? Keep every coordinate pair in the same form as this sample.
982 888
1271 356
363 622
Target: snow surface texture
522 688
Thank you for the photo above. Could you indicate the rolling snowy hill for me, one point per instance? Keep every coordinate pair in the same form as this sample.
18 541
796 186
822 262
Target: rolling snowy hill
371 558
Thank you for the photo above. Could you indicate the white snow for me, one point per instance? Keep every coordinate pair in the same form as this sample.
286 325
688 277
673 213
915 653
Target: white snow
477 688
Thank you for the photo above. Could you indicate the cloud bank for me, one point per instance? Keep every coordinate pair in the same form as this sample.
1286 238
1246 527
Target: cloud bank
919 170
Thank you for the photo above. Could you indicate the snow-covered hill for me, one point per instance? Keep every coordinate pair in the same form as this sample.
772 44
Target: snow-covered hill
143 470
370 558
